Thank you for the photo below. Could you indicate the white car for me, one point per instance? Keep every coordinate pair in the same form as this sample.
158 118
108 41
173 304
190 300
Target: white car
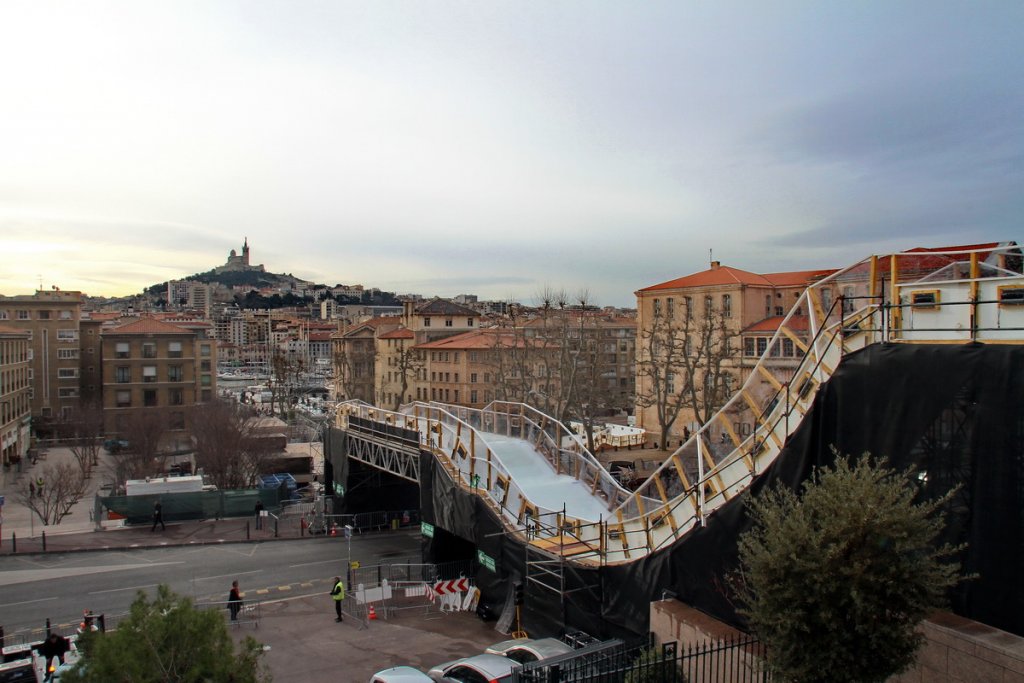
400 674
475 669
525 650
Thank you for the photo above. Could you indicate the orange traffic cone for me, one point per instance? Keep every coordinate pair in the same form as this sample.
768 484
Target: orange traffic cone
373 614
334 529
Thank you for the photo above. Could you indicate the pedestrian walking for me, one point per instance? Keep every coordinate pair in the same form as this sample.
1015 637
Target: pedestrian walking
234 601
39 486
259 515
158 516
31 489
338 593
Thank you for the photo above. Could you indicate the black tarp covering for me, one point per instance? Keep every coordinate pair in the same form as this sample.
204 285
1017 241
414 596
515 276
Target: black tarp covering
367 489
953 413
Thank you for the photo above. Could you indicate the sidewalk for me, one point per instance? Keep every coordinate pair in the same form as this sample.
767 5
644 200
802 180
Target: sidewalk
78 531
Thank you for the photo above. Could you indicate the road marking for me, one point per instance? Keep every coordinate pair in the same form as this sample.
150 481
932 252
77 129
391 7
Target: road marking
130 588
263 591
27 602
310 564
284 588
224 576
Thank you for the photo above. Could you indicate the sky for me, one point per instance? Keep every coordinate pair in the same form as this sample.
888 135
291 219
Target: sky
499 148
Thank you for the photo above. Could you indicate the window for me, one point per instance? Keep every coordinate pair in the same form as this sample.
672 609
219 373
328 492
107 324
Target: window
448 322
788 348
175 373
204 350
472 379
669 306
1011 295
767 305
67 373
124 399
174 349
688 303
149 350
149 398
122 350
925 299
3 315
23 315
67 335
456 378
205 380
67 354
149 373
762 345
426 321
727 305
65 315
748 346
44 315
708 304
469 322
456 395
67 392
781 311
204 365
670 383
473 396
122 374
826 299
848 302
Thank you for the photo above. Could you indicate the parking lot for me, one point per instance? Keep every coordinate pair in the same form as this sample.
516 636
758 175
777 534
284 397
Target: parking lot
307 646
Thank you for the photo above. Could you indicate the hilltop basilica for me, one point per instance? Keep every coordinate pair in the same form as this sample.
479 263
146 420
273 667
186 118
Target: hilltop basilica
237 263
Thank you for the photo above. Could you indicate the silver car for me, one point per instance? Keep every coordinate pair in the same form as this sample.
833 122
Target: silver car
400 674
525 650
475 669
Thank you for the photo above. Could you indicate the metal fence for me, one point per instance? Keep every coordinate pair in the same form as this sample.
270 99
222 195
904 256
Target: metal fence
732 660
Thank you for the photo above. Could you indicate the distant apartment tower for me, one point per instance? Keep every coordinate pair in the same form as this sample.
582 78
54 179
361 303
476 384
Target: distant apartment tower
189 295
154 368
52 320
15 390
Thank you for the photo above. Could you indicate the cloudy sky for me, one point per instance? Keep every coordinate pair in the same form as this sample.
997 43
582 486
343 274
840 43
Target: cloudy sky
498 148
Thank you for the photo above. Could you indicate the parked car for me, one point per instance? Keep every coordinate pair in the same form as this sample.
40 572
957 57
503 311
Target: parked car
475 669
525 650
400 674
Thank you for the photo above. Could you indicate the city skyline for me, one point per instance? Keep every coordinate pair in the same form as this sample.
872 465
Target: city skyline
499 148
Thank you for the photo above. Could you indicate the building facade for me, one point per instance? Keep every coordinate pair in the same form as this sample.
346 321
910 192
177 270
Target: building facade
15 392
52 320
156 371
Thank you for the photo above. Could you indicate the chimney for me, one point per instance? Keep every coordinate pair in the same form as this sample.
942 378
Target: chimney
715 265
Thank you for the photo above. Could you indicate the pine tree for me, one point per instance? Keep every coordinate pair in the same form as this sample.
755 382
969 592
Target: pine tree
836 580
167 640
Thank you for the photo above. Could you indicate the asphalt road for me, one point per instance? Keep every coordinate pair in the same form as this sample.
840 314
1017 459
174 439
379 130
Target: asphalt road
61 586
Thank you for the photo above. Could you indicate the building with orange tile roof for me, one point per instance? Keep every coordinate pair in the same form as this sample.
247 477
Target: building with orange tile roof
156 373
694 335
15 394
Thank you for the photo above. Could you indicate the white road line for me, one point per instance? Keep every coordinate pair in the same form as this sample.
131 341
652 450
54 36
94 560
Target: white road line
224 576
130 588
310 564
27 602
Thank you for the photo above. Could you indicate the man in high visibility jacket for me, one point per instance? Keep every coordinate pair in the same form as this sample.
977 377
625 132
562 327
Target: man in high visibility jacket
338 593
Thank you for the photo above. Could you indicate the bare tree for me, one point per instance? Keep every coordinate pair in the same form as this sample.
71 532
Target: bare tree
406 364
228 445
144 431
82 432
53 494
686 361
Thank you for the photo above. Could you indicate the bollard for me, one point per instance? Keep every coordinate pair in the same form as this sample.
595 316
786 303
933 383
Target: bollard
14 542
275 527
44 544
1 637
247 531
47 627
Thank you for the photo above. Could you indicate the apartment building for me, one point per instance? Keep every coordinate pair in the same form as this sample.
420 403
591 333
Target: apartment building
52 320
437 319
15 393
154 368
189 295
463 369
710 319
398 368
354 358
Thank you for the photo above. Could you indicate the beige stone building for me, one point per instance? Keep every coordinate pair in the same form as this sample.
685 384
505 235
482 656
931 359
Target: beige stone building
52 320
153 368
15 390
703 331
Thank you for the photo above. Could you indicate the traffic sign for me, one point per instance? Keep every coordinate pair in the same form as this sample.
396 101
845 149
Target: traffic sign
485 560
427 529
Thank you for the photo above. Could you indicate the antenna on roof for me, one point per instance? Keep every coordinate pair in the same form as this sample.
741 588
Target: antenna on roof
711 256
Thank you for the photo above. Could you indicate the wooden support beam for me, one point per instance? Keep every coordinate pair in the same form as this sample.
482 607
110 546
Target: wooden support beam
796 340
683 479
757 414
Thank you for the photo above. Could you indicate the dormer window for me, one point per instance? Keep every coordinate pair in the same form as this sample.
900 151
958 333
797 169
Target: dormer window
426 322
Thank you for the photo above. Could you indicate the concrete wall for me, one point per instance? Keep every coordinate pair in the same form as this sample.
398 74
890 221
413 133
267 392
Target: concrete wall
956 650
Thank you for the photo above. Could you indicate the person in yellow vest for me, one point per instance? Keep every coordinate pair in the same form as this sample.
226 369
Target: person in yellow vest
338 593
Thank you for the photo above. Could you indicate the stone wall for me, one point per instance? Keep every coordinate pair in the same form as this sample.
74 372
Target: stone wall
956 650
